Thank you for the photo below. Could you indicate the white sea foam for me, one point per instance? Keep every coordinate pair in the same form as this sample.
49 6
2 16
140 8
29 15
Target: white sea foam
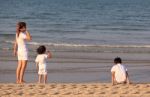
84 45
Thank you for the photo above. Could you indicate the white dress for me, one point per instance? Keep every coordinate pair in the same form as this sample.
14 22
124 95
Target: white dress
22 51
41 60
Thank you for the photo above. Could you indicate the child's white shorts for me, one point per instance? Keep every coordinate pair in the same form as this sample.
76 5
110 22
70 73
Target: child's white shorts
22 55
42 71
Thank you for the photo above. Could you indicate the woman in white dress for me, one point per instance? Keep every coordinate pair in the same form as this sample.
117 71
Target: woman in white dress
20 50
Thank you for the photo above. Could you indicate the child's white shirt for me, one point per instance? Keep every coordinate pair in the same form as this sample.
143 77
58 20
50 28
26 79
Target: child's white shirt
41 60
120 72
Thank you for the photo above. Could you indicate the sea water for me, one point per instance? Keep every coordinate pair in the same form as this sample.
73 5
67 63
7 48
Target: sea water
83 35
78 22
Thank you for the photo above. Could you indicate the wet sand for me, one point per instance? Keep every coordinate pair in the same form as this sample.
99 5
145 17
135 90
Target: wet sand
80 66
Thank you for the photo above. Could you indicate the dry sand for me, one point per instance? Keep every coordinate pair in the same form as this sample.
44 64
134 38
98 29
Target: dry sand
74 90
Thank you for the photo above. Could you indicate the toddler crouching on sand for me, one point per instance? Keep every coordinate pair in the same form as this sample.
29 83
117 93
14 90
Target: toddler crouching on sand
119 72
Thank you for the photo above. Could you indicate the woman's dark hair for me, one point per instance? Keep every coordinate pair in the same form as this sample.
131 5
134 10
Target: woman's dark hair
20 25
117 60
41 49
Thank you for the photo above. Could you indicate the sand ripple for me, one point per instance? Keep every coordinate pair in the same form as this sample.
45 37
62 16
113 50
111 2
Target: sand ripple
74 90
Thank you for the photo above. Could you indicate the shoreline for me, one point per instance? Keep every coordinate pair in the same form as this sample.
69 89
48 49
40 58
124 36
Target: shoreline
78 65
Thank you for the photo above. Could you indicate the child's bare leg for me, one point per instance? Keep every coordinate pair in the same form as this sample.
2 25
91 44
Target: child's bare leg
23 67
40 78
45 78
18 71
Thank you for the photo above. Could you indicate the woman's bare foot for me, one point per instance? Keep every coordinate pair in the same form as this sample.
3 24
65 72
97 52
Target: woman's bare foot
22 82
17 82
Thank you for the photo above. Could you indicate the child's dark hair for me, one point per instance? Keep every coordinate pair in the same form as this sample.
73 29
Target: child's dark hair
41 49
117 60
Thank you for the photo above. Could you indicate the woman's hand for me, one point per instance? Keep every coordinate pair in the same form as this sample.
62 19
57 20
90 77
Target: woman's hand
28 35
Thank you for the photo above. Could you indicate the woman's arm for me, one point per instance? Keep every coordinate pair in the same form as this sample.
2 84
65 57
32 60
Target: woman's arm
15 48
28 36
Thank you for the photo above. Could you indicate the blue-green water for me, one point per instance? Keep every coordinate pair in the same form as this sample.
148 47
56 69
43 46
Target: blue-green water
83 22
70 27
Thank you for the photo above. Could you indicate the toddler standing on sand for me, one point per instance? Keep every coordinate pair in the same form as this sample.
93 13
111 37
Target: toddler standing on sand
41 63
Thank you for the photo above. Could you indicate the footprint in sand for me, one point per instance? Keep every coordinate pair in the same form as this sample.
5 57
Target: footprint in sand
30 93
52 86
102 92
135 92
73 86
147 92
10 86
114 92
90 91
65 92
61 86
124 92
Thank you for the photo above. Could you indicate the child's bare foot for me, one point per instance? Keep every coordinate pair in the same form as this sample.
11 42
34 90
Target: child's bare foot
39 82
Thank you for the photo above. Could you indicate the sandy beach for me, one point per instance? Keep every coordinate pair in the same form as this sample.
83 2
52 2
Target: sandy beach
74 90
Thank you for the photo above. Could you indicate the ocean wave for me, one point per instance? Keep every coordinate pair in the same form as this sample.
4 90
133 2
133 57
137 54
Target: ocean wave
83 45
6 35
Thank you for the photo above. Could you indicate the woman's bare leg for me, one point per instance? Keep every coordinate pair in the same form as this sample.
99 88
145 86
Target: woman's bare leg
45 78
40 78
23 67
18 71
